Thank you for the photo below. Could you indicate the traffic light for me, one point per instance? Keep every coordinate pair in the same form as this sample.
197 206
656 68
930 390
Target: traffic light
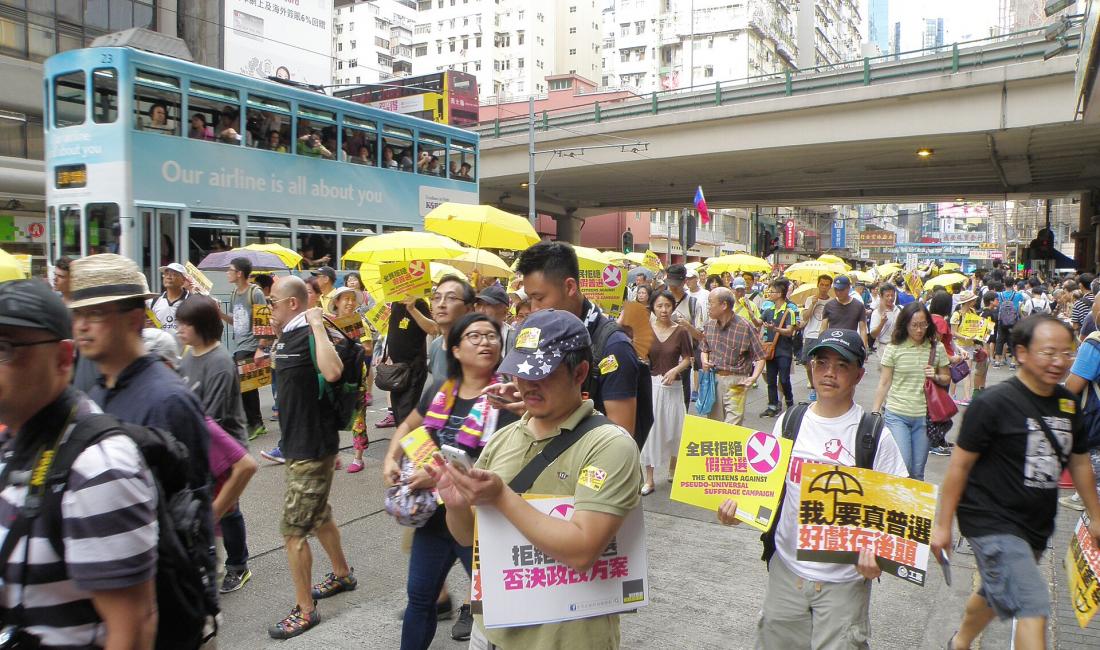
628 242
687 230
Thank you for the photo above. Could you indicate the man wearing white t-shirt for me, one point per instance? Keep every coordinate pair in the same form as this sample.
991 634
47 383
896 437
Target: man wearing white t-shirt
815 604
885 315
813 312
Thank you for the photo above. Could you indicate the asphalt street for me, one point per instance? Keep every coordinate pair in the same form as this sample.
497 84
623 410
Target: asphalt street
707 580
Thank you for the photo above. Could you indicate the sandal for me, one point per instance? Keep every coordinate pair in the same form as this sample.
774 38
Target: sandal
333 585
295 623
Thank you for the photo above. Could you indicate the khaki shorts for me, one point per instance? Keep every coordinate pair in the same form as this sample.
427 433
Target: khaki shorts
305 506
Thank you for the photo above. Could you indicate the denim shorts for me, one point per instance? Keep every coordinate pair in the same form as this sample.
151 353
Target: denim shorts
1011 581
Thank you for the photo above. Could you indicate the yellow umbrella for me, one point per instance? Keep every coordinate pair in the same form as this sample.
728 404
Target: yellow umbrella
862 276
440 269
833 259
289 257
946 280
615 256
810 270
949 266
799 295
738 263
403 246
10 267
886 269
483 263
637 258
481 226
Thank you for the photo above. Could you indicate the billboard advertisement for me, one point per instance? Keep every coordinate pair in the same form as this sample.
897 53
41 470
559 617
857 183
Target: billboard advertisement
290 39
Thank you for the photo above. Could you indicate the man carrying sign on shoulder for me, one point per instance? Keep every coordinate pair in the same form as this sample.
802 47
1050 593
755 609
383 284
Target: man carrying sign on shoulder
597 464
1015 440
816 604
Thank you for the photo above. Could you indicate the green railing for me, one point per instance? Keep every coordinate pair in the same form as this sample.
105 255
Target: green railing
1026 45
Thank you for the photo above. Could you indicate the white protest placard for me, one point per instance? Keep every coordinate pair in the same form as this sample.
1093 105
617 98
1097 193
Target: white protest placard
521 585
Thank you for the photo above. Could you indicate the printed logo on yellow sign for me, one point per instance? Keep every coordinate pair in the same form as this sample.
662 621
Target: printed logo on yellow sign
528 338
1067 406
592 477
404 324
608 364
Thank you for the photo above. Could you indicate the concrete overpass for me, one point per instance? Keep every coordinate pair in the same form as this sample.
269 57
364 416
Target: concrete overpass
999 119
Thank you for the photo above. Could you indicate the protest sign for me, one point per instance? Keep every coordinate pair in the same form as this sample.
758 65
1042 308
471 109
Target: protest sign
351 324
522 585
602 283
199 280
418 446
254 374
401 280
651 261
915 284
719 461
379 317
844 509
1083 570
971 326
261 321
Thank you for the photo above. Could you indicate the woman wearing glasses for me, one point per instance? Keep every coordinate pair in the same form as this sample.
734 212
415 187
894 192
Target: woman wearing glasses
455 413
905 366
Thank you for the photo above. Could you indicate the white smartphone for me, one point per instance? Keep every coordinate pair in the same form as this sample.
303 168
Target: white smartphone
456 456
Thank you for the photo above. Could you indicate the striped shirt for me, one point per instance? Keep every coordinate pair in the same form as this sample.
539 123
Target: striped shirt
733 348
108 527
906 394
1081 309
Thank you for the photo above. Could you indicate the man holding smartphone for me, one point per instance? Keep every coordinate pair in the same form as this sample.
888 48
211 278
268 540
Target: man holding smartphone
550 362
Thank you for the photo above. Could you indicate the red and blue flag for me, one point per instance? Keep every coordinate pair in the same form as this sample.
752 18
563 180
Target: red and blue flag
701 205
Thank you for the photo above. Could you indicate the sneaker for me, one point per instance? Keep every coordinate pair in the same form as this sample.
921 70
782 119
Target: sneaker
333 585
769 412
940 451
387 421
812 396
295 623
355 466
275 455
1073 502
260 430
234 580
962 401
996 364
464 624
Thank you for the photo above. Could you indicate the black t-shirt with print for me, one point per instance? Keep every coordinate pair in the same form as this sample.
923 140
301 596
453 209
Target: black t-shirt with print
309 426
1013 487
845 317
405 340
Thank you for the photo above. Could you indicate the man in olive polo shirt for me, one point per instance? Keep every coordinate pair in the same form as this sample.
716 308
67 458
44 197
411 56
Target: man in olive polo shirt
550 363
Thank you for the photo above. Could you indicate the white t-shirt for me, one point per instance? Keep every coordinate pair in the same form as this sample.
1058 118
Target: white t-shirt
830 441
701 296
888 328
165 311
814 317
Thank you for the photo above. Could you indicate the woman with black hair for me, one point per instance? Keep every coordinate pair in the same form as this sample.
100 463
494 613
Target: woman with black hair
907 361
669 356
455 412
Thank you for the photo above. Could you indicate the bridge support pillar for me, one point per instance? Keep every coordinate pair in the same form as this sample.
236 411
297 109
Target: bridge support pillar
569 226
1086 239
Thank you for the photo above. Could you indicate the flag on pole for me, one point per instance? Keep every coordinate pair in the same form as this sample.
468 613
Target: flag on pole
701 205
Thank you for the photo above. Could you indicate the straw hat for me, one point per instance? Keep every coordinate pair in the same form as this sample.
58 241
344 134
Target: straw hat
106 277
965 296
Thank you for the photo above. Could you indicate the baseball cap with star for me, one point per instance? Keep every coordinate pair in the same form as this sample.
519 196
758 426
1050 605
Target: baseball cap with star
542 343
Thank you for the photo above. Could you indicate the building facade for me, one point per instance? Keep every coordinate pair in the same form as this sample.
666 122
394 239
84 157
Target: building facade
829 32
372 41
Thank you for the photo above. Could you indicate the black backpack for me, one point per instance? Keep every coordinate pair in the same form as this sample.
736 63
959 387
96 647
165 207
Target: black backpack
643 412
867 438
343 395
185 563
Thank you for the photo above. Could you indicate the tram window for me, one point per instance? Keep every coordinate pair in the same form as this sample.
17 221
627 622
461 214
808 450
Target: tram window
316 249
69 98
353 233
432 156
360 141
105 101
202 240
317 140
71 232
267 237
215 114
104 228
461 165
268 124
156 110
397 148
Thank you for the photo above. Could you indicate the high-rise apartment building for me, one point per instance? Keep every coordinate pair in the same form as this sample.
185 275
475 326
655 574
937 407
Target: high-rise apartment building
372 41
828 32
510 45
666 44
878 25
933 33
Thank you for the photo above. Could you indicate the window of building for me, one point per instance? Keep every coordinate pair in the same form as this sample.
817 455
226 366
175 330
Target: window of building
708 71
561 84
639 27
339 47
573 9
477 41
353 63
519 63
353 45
572 51
452 45
69 98
421 50
572 30
339 65
624 29
465 43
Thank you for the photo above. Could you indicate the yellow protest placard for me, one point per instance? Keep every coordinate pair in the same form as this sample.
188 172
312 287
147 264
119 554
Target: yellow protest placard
351 324
255 374
202 283
844 509
719 461
418 446
261 321
971 326
651 261
602 283
402 280
379 317
1083 570
915 284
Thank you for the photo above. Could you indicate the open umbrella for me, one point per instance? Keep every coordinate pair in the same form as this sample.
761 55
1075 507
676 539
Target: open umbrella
10 267
949 266
738 263
810 270
803 291
614 256
833 259
887 269
290 258
403 246
946 280
862 276
441 269
481 262
261 261
481 226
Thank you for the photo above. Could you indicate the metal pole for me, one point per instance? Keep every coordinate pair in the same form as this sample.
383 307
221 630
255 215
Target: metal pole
531 215
668 237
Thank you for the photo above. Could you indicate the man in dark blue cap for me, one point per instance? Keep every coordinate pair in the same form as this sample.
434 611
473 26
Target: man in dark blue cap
101 592
596 463
816 604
